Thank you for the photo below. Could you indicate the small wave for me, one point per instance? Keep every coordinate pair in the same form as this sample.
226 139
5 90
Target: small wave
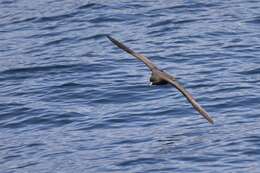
106 19
46 119
238 46
38 68
25 20
93 37
70 84
251 71
140 161
91 6
160 23
171 21
57 41
86 6
56 17
189 6
7 2
255 20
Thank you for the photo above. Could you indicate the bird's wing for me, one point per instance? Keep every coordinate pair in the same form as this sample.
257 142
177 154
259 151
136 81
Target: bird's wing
189 97
141 57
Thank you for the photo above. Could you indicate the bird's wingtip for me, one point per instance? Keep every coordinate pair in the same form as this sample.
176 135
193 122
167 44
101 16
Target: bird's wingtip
210 120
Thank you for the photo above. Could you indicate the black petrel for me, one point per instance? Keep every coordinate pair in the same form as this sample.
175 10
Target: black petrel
160 77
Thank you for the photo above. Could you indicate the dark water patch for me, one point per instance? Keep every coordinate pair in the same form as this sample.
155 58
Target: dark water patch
96 126
201 85
56 17
140 161
255 20
188 7
171 22
250 71
26 165
161 31
93 37
222 33
37 51
198 159
35 145
9 105
11 157
169 169
239 47
57 154
14 112
16 29
251 152
71 95
157 33
37 69
106 98
91 6
70 85
136 5
51 28
47 34
160 23
47 119
107 19
58 42
186 40
25 20
185 21
7 2
226 88
253 140
131 141
22 122
123 119
72 90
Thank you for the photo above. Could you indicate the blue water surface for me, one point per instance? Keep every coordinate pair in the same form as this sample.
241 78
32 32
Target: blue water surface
71 101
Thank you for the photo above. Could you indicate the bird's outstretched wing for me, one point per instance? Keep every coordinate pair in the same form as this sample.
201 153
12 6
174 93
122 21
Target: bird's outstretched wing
141 57
188 96
170 79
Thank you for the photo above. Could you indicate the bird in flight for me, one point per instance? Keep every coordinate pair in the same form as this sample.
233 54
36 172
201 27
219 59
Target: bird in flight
160 77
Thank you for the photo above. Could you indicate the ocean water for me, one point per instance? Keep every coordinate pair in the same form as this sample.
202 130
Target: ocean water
71 101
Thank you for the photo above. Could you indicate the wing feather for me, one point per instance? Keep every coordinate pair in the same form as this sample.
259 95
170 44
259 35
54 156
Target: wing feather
188 96
141 57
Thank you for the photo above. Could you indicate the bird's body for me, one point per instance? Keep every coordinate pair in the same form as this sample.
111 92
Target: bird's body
159 77
157 80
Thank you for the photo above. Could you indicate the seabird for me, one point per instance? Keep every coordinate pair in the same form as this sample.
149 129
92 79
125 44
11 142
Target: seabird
160 77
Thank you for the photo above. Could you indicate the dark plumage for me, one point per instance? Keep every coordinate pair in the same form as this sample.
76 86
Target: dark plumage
159 77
